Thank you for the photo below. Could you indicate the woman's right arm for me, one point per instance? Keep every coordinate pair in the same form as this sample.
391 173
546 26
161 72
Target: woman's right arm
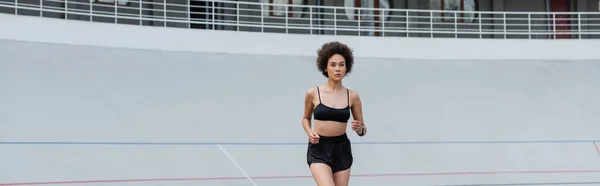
308 109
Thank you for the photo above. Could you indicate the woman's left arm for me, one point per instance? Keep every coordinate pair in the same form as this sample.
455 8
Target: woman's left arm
358 124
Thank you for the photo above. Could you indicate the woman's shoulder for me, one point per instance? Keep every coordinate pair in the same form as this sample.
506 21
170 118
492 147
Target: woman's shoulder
311 91
352 93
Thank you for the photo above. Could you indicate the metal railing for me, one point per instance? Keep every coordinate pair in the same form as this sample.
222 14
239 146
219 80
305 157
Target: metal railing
311 19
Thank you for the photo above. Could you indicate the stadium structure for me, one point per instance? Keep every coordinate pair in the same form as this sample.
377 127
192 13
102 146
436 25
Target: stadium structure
211 92
531 19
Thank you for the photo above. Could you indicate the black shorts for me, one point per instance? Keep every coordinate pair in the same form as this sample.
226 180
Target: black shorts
335 151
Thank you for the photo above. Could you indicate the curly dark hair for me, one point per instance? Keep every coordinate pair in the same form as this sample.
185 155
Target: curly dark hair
331 48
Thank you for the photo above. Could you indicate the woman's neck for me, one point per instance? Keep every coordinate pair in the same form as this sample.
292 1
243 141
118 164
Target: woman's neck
334 86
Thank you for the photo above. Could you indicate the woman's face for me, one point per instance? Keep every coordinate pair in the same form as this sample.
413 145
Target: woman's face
336 67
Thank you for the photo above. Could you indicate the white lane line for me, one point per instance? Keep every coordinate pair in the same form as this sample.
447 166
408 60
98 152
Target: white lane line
235 163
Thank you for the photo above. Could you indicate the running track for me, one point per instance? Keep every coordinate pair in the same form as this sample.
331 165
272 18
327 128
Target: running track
308 176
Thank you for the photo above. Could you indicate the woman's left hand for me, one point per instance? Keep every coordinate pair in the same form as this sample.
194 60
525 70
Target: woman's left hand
357 125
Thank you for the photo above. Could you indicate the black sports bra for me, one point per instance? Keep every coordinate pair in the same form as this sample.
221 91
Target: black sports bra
325 113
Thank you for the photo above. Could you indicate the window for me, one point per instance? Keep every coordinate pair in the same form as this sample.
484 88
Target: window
352 12
371 19
278 8
453 5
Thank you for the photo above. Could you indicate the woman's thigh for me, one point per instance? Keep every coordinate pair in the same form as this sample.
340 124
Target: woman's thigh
342 178
322 174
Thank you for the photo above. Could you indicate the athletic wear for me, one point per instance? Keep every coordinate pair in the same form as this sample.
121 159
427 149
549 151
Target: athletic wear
325 113
335 151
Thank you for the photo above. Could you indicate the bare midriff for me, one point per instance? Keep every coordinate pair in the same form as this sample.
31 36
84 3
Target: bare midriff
329 128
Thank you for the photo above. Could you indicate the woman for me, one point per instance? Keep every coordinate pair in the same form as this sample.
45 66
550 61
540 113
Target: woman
329 154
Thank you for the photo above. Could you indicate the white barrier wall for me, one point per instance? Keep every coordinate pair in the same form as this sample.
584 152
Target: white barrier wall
436 92
109 94
142 37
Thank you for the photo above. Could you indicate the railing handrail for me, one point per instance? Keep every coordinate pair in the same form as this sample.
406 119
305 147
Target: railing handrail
488 24
397 9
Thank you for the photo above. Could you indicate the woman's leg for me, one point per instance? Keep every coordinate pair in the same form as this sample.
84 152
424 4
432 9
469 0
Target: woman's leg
341 178
322 174
342 163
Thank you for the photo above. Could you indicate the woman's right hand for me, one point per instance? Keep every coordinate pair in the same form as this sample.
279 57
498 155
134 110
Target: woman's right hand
313 137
